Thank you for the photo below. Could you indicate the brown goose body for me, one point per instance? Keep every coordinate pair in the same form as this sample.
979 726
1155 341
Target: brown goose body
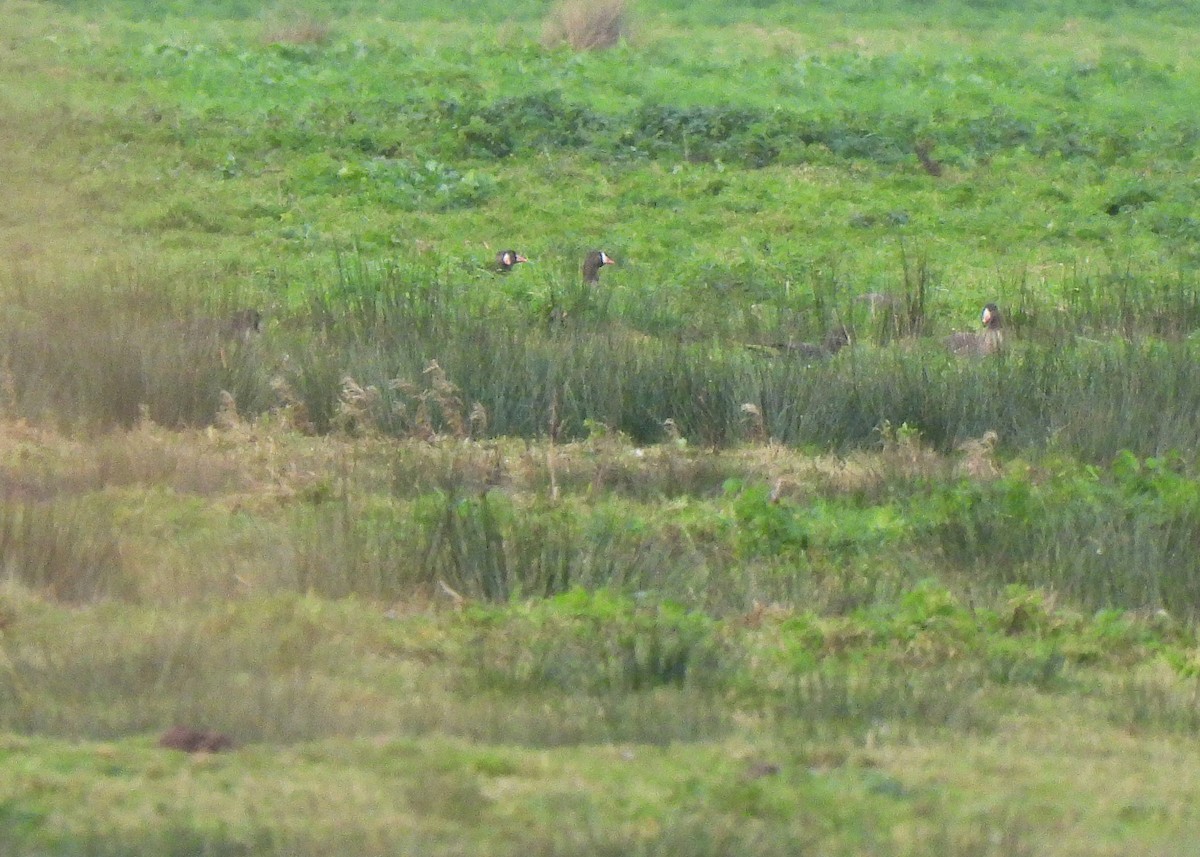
592 264
834 341
242 325
981 343
190 740
506 260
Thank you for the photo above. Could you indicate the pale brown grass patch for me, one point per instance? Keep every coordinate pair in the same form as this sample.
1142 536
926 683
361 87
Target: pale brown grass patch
291 27
586 25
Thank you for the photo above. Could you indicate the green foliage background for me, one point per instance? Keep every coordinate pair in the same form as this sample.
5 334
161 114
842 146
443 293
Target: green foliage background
511 564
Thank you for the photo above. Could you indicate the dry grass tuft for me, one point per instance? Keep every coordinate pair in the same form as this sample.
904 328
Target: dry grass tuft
978 457
756 422
437 409
356 407
291 27
586 25
292 411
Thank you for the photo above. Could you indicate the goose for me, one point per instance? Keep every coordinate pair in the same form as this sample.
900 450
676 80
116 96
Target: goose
239 328
506 259
190 740
242 325
592 264
834 341
981 343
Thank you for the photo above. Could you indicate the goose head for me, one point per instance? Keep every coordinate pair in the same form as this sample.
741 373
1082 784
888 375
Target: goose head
506 259
592 264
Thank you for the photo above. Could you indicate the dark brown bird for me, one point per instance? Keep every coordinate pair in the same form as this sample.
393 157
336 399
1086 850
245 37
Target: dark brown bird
758 770
190 740
595 260
834 341
924 151
243 324
981 343
238 328
507 259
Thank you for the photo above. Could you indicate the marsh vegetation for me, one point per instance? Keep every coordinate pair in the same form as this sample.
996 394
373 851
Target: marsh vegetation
723 551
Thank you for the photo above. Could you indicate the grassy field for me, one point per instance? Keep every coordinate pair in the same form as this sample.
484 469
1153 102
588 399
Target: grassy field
464 562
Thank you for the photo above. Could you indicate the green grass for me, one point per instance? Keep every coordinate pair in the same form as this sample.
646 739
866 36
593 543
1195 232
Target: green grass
661 655
464 562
